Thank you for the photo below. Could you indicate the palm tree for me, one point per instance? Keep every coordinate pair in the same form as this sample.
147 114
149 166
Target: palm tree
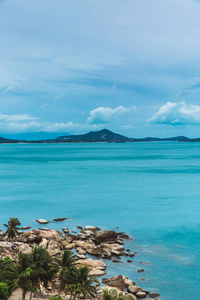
112 294
78 282
43 268
65 263
18 274
12 228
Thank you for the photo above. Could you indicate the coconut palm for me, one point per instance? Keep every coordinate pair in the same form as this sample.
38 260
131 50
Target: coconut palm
112 294
78 282
42 265
18 274
12 228
65 263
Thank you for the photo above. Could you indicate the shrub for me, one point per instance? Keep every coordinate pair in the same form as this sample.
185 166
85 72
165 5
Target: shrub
56 298
4 291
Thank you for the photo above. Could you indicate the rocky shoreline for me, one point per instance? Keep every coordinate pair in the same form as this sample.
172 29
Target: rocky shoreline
92 241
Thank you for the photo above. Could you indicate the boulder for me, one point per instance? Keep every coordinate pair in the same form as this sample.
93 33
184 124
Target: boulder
53 248
114 247
129 260
132 254
49 235
27 233
81 251
141 294
81 256
85 245
154 295
21 239
70 246
116 260
65 230
140 270
91 228
115 252
44 243
121 282
92 264
133 289
25 248
106 253
31 238
25 227
45 229
106 235
124 237
80 227
96 272
94 250
1 233
60 219
42 221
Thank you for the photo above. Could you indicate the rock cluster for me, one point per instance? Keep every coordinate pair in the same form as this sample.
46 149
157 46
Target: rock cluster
90 240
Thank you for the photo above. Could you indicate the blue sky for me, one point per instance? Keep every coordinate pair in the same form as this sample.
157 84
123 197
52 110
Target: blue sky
74 66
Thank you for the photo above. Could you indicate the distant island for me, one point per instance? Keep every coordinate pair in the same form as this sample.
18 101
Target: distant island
101 136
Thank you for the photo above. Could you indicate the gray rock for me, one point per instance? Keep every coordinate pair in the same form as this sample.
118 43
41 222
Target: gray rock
65 230
105 236
45 229
116 260
60 219
132 254
141 294
25 227
42 221
91 228
154 295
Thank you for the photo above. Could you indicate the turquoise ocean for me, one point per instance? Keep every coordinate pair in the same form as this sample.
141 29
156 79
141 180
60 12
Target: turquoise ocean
149 190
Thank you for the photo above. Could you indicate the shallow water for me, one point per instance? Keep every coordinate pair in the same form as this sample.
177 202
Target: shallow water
149 190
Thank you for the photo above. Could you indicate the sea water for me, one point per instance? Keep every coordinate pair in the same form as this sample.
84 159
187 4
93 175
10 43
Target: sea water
149 190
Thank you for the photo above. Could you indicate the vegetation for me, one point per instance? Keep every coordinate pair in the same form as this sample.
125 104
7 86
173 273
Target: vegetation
12 228
65 263
113 295
31 271
4 294
79 283
56 298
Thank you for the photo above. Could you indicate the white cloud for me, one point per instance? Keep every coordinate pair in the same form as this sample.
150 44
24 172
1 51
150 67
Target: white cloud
26 123
177 113
104 115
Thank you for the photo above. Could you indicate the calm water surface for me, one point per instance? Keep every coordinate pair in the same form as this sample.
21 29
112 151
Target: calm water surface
149 190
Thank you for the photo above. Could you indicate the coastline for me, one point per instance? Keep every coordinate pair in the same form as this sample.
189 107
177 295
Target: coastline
93 247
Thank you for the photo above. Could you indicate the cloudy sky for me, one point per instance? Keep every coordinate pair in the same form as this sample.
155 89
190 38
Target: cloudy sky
127 65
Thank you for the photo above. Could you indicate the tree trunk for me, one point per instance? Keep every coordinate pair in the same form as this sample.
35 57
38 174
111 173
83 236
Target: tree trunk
23 295
31 295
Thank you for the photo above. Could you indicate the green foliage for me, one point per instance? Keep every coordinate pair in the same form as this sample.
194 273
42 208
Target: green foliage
12 228
78 282
43 267
56 298
65 263
112 294
4 294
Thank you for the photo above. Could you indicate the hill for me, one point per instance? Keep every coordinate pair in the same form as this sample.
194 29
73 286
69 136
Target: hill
101 136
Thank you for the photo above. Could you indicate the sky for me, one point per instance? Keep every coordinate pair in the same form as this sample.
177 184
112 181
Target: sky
74 66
